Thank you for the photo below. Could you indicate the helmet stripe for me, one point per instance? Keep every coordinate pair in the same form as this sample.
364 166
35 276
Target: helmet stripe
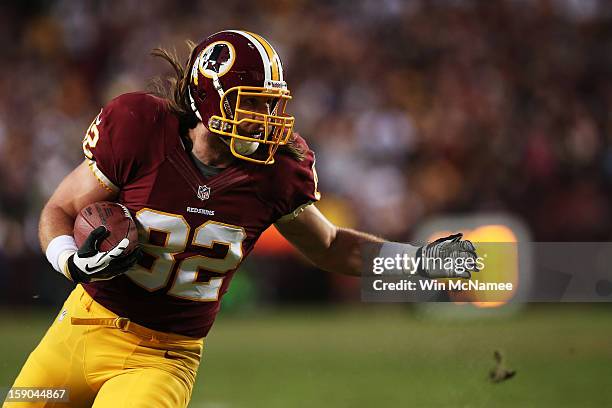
277 69
265 59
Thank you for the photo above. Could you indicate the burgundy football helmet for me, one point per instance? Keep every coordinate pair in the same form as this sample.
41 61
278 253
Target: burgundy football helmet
237 90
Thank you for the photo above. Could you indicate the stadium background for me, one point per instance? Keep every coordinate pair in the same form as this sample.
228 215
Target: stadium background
415 109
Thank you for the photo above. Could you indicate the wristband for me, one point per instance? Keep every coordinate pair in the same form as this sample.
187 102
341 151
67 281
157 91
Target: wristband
60 246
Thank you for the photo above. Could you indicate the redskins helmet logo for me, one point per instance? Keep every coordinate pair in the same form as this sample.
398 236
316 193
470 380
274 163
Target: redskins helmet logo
216 59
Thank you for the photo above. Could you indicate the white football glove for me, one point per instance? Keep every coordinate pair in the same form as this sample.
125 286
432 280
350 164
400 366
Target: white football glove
448 257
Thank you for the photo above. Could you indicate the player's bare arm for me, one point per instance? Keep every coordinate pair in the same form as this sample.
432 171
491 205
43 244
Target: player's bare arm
328 246
77 190
347 251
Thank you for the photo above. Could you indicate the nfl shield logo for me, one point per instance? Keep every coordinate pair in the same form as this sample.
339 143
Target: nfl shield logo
203 192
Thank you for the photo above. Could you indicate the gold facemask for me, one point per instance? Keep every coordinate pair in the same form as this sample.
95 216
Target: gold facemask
248 128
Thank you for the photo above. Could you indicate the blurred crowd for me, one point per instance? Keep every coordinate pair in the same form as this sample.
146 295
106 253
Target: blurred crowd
414 108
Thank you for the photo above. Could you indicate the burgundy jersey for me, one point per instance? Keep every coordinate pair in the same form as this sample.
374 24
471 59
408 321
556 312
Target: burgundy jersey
194 230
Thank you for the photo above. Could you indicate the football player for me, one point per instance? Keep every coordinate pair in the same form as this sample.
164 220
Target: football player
204 172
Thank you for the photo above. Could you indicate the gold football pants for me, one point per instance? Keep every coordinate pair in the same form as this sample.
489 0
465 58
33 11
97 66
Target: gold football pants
107 361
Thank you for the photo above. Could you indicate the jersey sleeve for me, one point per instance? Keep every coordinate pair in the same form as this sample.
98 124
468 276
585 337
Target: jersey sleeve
299 187
117 141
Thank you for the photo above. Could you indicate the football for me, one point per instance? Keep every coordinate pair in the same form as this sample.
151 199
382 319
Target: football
114 216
